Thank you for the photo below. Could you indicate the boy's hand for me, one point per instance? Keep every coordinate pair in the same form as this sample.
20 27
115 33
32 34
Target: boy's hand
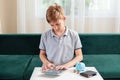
47 67
62 67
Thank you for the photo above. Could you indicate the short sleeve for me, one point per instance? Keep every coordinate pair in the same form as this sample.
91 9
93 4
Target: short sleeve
42 43
77 44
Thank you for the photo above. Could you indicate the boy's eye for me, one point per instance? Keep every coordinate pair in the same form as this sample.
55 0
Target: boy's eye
58 24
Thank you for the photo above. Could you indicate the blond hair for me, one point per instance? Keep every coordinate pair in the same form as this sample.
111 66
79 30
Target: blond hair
54 12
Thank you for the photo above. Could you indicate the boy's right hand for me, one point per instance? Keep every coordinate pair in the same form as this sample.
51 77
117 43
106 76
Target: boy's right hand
48 66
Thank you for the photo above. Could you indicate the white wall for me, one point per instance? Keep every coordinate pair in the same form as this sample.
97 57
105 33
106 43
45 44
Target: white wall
8 16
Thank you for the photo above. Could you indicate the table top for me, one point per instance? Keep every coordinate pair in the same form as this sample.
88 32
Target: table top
65 75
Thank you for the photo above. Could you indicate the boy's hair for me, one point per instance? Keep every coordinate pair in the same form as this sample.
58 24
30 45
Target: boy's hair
54 12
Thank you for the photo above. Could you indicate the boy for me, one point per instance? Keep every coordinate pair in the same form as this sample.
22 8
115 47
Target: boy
58 45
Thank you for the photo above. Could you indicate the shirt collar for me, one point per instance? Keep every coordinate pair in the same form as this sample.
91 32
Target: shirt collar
65 34
52 33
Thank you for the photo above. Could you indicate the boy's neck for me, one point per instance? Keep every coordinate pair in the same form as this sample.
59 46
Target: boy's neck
59 33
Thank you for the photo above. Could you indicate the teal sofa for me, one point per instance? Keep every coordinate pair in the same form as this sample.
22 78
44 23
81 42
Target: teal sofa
19 54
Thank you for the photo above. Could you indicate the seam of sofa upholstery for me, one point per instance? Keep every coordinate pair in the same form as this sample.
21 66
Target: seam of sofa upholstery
27 65
19 77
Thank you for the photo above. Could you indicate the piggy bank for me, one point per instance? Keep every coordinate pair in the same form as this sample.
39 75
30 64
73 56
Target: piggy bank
80 66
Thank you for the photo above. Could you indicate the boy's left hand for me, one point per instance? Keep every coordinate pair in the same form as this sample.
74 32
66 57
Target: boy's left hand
62 67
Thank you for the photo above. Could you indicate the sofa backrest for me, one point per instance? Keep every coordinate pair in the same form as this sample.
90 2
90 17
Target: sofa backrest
29 43
100 43
19 44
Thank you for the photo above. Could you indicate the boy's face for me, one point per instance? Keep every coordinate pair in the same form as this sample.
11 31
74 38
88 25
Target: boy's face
57 25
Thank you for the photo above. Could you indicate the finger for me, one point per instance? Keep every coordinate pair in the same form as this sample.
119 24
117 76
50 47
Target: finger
52 66
57 67
64 68
46 68
43 69
61 67
49 65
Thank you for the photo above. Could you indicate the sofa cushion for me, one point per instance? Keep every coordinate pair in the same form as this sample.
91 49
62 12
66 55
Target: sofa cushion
36 62
107 65
13 66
